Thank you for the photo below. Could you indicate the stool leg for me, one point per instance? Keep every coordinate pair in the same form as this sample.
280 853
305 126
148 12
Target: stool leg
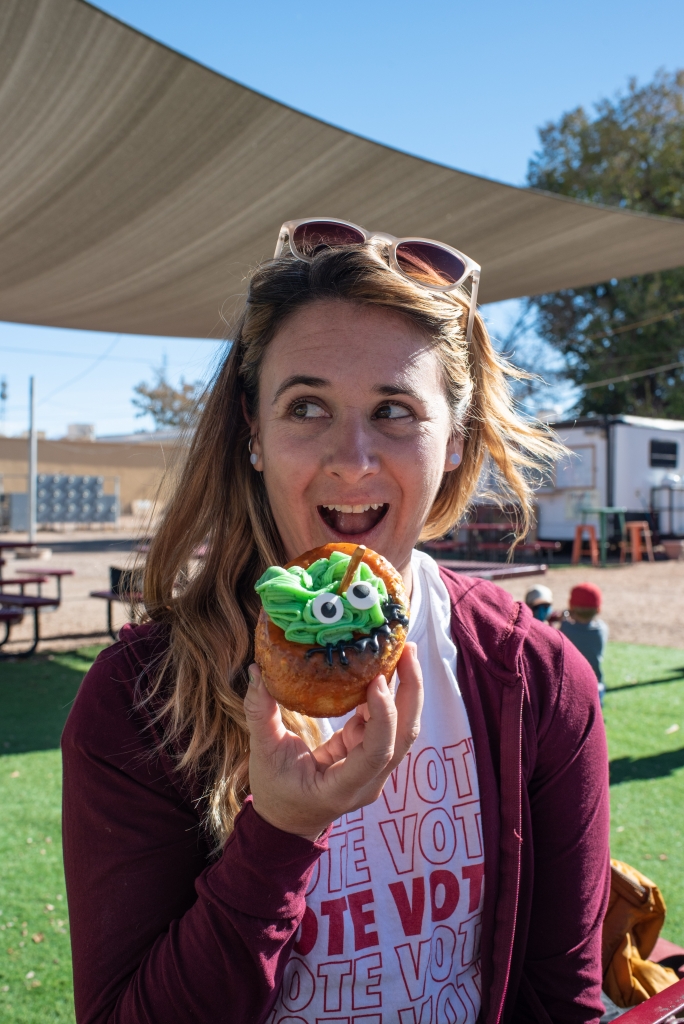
648 545
593 548
636 545
577 545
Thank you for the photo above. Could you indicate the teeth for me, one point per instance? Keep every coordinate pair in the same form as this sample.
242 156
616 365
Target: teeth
354 508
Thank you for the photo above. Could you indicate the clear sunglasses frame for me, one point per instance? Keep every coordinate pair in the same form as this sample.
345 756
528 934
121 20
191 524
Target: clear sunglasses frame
472 269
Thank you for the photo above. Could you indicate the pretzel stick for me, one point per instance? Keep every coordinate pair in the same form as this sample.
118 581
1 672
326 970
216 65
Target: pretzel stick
354 561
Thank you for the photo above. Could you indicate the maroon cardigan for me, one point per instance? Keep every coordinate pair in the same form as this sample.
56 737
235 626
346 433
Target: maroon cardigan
165 933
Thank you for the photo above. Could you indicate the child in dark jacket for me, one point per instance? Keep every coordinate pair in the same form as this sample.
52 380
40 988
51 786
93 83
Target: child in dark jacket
586 630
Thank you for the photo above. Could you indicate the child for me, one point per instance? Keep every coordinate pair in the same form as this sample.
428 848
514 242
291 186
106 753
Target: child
540 600
585 630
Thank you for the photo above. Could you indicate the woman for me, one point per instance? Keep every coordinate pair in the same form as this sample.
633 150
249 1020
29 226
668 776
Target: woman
216 870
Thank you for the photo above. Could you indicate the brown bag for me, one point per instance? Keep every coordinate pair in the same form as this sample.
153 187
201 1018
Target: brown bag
635 915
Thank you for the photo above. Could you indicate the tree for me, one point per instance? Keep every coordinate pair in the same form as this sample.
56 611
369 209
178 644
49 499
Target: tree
630 154
169 406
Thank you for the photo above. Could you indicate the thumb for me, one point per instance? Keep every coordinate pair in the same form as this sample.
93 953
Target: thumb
262 713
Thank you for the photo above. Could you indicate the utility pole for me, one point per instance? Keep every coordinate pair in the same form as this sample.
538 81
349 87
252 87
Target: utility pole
32 464
3 405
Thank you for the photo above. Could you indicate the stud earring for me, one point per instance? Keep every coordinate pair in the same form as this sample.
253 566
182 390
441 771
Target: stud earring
253 457
455 459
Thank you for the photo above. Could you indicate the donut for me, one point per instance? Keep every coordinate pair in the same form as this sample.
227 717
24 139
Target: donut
318 646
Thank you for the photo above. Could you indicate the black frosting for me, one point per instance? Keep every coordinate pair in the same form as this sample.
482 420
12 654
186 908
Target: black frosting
392 611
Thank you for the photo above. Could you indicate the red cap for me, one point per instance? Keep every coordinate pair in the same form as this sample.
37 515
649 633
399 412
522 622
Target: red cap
585 595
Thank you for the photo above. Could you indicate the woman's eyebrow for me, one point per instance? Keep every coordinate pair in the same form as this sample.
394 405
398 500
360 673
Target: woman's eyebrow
388 390
300 380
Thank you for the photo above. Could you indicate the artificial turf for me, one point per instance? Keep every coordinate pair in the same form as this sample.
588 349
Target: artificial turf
645 701
35 957
644 715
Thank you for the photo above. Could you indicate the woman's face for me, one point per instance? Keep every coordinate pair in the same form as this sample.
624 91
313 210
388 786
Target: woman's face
354 431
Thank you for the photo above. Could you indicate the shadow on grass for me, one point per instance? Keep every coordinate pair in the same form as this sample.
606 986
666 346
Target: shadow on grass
656 766
676 677
36 696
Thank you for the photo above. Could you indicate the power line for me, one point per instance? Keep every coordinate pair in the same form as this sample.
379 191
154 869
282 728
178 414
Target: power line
84 373
71 355
637 323
78 355
631 376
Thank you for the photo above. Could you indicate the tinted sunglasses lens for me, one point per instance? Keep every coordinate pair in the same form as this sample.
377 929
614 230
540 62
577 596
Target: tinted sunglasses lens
430 264
309 238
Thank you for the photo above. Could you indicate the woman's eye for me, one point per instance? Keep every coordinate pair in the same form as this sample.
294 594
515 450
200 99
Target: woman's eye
307 410
392 411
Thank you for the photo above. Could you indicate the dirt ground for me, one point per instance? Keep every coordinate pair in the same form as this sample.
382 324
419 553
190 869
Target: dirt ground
643 604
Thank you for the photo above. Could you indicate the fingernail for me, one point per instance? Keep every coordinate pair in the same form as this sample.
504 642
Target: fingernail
251 677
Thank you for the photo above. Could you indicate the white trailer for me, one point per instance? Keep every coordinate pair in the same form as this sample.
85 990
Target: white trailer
631 462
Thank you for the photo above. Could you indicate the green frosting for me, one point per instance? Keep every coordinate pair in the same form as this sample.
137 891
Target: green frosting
287 595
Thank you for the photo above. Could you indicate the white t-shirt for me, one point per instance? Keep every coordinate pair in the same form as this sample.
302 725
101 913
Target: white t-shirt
391 933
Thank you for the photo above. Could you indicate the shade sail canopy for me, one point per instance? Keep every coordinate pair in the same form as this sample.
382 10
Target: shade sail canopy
138 187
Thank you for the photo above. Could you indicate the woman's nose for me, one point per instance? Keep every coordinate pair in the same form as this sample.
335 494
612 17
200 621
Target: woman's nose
351 455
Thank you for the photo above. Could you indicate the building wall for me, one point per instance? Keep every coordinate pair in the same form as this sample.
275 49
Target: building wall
140 467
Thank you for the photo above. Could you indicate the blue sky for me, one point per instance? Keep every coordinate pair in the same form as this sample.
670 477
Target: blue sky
464 84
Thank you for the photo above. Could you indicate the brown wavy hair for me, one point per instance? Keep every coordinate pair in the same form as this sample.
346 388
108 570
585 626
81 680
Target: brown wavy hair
220 501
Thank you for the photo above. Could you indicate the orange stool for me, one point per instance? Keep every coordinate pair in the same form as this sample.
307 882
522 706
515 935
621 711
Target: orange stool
578 549
632 546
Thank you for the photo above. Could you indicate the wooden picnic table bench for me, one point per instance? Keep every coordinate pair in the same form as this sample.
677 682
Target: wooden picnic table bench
110 596
23 581
15 603
56 574
10 617
492 570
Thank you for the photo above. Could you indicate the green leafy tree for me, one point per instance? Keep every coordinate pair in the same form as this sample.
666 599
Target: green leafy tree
630 154
169 406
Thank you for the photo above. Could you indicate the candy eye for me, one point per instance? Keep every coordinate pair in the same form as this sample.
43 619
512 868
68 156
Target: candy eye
327 608
361 596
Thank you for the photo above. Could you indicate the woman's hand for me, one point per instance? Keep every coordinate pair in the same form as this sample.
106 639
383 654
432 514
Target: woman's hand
303 791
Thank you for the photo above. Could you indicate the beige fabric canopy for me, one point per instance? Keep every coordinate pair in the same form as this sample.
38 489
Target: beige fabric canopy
137 188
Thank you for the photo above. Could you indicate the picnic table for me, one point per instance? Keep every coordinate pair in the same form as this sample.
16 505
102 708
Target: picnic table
56 574
22 582
11 545
110 596
474 545
12 607
492 570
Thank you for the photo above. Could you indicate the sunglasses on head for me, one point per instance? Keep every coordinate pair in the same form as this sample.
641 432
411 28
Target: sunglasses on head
433 265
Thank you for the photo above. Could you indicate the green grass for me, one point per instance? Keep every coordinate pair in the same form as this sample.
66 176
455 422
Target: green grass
35 976
645 698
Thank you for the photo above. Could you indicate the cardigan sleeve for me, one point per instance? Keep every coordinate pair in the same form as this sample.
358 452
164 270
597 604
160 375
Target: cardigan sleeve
161 934
569 810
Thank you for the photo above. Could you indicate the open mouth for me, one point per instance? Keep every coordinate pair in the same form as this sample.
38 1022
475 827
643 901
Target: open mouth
352 519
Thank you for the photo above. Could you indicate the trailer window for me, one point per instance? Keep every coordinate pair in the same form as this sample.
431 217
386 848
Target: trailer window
664 454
